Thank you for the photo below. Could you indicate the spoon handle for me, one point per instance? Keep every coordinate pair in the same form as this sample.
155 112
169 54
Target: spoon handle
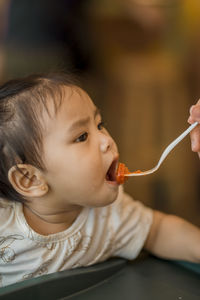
166 152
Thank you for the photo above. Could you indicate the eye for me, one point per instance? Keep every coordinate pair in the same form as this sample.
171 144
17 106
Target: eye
82 138
101 125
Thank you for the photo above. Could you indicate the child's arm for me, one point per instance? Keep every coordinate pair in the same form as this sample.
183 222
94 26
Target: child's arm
173 238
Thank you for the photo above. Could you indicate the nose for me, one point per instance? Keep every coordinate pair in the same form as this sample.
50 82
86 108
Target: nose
106 143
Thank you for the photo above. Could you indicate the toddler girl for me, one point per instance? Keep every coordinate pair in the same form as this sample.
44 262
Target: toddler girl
61 206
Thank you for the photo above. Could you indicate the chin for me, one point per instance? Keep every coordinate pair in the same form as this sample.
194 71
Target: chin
107 199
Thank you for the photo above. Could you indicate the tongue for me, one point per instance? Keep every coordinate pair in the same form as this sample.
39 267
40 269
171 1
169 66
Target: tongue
110 175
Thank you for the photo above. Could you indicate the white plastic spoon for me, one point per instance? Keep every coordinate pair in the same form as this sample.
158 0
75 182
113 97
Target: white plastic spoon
164 154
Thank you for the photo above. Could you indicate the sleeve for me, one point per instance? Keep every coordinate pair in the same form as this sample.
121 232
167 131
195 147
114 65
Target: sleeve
131 222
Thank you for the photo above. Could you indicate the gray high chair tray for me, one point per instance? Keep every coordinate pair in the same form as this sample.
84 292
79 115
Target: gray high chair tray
146 278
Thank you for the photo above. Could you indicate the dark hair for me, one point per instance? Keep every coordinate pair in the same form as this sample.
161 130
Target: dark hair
21 104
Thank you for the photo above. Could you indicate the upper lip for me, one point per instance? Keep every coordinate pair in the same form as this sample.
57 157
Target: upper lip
111 172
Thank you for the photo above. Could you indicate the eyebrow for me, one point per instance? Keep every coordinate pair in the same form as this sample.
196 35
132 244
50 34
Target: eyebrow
83 121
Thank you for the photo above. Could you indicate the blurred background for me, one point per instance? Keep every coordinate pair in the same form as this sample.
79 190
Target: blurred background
140 62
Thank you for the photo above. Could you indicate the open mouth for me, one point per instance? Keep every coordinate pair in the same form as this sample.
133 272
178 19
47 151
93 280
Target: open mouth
111 174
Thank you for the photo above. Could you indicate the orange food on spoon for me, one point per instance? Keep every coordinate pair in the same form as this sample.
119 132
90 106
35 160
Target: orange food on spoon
122 170
138 171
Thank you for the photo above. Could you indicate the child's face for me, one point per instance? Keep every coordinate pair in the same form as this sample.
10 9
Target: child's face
78 152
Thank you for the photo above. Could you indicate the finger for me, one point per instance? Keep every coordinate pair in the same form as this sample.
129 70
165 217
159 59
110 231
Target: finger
190 120
195 112
195 139
191 109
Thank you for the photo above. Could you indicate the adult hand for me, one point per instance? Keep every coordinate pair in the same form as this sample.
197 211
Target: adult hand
195 133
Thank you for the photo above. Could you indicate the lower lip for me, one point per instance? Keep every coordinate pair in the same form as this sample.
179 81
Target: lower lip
112 183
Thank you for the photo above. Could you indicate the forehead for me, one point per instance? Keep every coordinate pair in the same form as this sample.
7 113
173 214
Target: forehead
70 105
76 101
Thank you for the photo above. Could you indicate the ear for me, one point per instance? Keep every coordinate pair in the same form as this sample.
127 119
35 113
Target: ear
28 180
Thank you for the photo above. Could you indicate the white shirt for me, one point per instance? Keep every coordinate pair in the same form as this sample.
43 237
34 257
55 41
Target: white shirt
119 229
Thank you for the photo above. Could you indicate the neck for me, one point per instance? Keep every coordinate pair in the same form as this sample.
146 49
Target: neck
46 224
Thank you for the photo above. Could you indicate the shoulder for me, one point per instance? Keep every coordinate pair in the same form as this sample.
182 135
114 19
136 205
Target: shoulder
128 213
6 206
7 214
123 209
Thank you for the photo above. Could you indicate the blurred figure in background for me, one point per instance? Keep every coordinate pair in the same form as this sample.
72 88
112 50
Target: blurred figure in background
46 35
142 54
4 7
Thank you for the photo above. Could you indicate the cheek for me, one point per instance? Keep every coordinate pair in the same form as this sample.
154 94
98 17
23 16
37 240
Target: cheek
85 179
83 168
90 172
